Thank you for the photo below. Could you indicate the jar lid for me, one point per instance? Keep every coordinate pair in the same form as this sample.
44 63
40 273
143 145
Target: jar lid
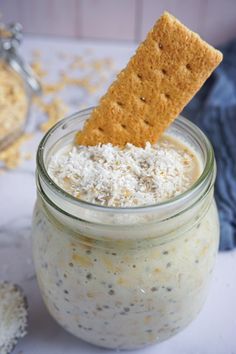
10 39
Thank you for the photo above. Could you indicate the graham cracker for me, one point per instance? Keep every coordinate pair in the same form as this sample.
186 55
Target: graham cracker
169 67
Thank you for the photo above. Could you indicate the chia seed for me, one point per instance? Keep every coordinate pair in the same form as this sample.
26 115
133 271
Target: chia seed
111 292
154 288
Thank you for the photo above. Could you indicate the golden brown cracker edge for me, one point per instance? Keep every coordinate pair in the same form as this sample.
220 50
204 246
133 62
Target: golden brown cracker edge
167 70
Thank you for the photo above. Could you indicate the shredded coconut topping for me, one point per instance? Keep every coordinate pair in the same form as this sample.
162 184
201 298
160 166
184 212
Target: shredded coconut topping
110 176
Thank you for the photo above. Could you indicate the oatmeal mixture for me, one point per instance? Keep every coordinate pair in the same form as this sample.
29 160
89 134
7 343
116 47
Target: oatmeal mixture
119 294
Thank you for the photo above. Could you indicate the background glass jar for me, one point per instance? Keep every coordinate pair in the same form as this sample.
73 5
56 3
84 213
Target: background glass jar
124 277
17 83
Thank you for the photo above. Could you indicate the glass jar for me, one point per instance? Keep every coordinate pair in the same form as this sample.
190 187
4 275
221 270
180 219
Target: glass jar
17 85
124 277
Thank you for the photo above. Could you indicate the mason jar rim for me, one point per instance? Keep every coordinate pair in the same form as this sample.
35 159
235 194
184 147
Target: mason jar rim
194 189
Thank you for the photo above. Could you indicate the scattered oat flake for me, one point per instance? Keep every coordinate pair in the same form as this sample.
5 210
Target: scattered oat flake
11 157
78 62
54 110
53 87
38 70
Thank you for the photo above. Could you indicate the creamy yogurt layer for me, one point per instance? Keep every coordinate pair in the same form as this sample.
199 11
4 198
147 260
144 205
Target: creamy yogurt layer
132 176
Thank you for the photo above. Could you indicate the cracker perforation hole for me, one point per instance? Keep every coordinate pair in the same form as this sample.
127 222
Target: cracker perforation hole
143 99
167 96
119 103
146 122
164 72
139 76
124 126
101 129
160 45
188 67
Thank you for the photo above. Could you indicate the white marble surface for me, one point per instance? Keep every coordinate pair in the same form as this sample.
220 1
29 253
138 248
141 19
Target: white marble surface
213 332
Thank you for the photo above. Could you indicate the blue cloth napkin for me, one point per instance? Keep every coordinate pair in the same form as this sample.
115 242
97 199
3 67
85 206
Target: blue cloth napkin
213 109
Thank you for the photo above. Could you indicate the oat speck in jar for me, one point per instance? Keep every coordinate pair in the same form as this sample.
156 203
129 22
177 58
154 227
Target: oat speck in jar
125 276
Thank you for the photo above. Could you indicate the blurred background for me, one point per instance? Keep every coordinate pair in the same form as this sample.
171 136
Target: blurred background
120 19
